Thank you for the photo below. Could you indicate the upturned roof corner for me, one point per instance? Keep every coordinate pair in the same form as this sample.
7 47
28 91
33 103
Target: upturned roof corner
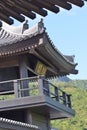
35 40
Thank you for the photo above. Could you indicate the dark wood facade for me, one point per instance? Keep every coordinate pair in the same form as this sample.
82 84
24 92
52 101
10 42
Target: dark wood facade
18 8
27 60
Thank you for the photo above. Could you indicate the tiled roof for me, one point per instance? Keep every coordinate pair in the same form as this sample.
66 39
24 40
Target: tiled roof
10 34
12 42
16 124
20 40
12 39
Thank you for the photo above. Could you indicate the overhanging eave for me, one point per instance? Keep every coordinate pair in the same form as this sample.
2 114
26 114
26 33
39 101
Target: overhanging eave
42 104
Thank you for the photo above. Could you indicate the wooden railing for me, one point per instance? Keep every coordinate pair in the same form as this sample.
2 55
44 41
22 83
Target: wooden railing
33 86
56 93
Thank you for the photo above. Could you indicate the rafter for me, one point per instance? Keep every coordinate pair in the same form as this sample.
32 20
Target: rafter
79 3
10 12
15 5
5 18
32 7
47 5
61 3
20 8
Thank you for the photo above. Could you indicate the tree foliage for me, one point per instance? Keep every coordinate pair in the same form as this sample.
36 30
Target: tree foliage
79 103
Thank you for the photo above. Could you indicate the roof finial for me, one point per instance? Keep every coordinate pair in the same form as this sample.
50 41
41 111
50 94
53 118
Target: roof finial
41 26
25 25
41 20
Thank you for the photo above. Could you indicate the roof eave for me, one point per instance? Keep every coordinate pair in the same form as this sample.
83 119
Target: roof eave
58 56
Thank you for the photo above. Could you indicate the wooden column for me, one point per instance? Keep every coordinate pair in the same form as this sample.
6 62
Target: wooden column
16 89
40 85
57 93
48 124
69 100
23 74
46 87
28 117
64 98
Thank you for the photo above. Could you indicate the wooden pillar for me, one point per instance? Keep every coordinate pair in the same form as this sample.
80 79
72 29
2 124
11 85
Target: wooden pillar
48 124
64 98
16 89
46 87
23 74
28 117
69 100
40 85
57 93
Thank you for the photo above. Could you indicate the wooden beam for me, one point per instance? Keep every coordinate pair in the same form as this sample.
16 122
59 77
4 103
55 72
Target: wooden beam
50 66
47 5
23 74
17 8
28 5
10 12
30 8
5 18
61 3
79 3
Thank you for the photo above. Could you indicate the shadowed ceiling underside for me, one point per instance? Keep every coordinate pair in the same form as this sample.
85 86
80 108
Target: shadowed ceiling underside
18 9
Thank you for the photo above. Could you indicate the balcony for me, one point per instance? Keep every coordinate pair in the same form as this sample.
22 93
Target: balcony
36 94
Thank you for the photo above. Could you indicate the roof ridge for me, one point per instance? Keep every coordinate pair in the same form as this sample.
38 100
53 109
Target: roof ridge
8 36
24 29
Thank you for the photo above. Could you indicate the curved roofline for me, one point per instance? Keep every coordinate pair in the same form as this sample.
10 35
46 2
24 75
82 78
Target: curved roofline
60 60
69 59
23 29
38 31
10 34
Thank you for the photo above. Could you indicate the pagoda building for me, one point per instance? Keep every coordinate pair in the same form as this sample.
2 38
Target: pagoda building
28 58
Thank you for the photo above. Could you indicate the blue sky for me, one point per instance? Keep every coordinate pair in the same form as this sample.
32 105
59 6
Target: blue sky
68 31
